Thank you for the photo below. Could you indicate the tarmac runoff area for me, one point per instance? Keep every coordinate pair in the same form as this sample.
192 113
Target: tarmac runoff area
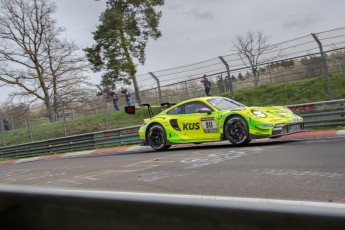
298 136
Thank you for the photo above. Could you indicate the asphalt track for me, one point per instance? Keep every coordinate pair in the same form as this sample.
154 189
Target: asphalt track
303 167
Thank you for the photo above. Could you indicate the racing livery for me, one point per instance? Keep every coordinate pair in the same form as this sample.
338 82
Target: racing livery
208 119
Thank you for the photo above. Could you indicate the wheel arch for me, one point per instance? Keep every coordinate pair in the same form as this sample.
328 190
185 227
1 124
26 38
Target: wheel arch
166 145
242 142
230 116
149 126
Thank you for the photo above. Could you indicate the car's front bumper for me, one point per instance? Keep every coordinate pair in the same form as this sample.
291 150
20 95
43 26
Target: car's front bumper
284 129
278 130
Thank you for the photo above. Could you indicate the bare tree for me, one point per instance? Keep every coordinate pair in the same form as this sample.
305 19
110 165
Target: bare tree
33 57
250 49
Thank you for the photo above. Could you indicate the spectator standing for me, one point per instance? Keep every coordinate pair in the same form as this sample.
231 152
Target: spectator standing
207 84
6 124
126 93
114 98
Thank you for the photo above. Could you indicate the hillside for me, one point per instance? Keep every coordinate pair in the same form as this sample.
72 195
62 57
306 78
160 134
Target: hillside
296 92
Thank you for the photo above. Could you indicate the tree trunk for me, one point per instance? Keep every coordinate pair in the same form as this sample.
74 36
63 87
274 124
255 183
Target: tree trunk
136 89
133 70
256 77
50 109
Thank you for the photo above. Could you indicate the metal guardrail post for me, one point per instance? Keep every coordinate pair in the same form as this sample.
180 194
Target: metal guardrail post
325 66
229 77
63 114
158 86
3 130
105 106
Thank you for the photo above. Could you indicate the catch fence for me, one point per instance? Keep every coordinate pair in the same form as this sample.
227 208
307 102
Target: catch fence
306 69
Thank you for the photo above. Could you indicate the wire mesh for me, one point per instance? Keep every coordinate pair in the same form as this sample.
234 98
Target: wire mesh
297 60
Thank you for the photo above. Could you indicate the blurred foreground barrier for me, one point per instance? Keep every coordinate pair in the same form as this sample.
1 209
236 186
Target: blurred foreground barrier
321 114
115 137
41 208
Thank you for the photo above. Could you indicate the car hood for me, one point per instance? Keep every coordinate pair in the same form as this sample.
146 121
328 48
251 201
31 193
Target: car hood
276 113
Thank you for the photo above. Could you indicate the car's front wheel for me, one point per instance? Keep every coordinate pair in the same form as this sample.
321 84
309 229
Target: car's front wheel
157 138
237 131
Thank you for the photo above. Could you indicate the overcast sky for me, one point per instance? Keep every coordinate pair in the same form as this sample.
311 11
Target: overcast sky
196 30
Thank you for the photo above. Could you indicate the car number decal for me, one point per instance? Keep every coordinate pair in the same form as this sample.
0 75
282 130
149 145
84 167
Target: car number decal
209 125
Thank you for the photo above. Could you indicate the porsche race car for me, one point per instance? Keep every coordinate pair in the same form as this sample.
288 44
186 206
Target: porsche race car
209 119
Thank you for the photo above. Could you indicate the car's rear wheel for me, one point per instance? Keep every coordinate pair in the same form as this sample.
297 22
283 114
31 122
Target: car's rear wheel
237 131
157 138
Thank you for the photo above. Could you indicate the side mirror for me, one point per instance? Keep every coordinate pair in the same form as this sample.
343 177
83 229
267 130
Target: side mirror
130 109
204 110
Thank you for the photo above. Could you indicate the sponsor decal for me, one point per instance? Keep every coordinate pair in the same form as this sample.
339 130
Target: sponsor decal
191 126
198 139
209 125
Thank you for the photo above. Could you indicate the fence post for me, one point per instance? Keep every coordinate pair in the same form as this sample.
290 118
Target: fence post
186 89
105 106
29 121
270 72
229 77
3 130
325 66
63 114
158 86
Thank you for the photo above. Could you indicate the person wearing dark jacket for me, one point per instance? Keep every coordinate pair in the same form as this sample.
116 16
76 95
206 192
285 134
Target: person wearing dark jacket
207 84
126 93
114 98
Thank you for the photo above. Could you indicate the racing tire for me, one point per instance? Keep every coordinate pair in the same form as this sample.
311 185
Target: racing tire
237 131
157 138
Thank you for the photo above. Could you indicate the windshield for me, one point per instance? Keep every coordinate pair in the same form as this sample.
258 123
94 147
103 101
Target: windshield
222 103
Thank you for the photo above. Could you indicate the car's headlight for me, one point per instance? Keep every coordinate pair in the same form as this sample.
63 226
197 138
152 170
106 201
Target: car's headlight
259 113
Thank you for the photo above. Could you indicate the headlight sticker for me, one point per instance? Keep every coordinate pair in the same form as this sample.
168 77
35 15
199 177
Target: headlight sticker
295 119
209 125
259 113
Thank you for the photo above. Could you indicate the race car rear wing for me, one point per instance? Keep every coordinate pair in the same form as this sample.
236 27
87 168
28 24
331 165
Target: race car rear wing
167 104
149 109
131 109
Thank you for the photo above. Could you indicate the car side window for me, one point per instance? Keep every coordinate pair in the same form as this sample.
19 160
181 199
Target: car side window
174 111
192 107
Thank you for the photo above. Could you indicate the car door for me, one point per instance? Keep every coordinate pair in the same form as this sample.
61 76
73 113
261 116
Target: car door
196 125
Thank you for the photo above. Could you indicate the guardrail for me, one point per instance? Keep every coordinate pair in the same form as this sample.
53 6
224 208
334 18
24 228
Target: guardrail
318 114
321 114
115 137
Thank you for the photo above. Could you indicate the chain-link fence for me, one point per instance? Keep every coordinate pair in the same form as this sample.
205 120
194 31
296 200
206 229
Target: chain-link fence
305 69
25 123
287 61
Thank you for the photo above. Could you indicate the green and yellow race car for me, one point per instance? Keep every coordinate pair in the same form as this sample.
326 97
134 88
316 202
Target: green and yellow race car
208 119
